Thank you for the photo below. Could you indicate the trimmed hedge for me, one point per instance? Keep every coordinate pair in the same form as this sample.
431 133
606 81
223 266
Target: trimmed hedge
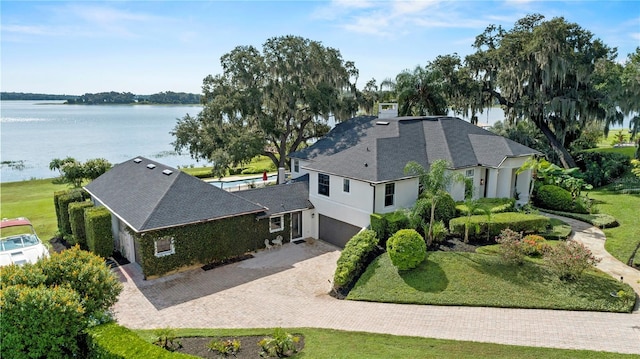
445 208
518 222
497 205
557 198
599 220
76 219
62 199
385 225
112 341
98 231
356 256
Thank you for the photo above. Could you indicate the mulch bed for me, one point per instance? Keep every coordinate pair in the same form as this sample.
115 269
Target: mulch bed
456 245
249 348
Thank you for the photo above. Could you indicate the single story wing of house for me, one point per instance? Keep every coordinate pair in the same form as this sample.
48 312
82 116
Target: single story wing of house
165 219
358 168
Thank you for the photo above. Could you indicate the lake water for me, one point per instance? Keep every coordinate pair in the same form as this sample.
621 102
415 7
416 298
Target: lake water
35 132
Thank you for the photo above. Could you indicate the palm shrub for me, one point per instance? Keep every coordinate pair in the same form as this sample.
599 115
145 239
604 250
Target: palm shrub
569 259
511 247
406 249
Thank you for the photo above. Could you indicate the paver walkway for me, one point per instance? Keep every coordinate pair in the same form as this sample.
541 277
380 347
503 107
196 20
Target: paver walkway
288 287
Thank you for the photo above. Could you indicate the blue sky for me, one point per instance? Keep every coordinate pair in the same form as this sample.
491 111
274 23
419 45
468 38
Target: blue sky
146 47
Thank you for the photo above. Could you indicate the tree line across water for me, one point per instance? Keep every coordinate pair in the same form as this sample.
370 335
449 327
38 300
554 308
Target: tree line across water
167 97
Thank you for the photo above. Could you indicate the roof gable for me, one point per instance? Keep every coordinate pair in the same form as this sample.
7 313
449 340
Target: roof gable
148 195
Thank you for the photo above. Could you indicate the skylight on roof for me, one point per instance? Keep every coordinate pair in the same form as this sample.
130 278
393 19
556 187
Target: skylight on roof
383 123
151 166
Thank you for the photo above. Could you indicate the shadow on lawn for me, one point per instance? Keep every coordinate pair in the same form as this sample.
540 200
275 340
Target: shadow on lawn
427 277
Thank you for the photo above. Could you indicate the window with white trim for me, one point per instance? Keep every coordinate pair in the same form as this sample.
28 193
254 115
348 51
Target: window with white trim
346 184
276 224
164 246
296 166
389 193
323 184
469 173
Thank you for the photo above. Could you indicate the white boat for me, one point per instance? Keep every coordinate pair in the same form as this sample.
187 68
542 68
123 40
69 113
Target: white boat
19 243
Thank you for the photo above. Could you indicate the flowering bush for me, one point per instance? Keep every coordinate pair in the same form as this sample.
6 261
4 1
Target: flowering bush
569 259
511 247
534 245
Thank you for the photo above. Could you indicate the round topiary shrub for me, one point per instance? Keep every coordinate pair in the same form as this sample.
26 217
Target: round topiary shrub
406 249
554 198
445 208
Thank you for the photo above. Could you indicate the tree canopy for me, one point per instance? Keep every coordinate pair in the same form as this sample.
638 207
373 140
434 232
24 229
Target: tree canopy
552 73
268 103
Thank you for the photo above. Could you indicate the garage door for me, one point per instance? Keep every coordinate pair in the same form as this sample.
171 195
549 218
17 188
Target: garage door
336 232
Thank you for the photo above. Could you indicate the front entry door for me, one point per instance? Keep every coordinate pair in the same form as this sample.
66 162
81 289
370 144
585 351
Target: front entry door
296 225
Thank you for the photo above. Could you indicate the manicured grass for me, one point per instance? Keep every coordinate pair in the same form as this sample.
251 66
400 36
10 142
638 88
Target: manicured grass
627 151
34 200
624 239
328 343
471 279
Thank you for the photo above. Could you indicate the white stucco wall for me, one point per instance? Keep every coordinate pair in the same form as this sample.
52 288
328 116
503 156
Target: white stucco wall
406 194
353 207
301 170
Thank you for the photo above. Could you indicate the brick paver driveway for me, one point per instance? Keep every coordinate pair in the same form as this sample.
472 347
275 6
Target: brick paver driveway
288 287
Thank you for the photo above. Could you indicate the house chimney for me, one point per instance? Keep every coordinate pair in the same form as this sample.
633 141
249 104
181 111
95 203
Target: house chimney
387 110
281 175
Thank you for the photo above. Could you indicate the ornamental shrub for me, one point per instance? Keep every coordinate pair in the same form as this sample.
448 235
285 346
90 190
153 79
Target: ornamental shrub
281 344
554 197
445 208
511 247
601 168
40 322
85 273
479 225
569 259
406 249
359 251
98 231
534 245
76 219
63 199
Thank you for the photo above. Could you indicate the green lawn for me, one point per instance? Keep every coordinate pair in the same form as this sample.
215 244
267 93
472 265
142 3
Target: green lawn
624 239
34 200
327 343
472 279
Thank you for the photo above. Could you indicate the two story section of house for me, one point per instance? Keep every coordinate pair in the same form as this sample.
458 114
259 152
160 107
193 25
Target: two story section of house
358 167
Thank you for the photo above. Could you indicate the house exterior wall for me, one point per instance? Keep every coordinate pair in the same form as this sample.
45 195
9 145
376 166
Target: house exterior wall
301 171
406 194
353 207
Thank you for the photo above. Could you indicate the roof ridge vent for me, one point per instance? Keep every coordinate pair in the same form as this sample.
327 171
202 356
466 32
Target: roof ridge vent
167 172
137 160
151 166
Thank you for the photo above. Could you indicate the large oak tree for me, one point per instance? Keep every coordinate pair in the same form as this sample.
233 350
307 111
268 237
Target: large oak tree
552 73
268 103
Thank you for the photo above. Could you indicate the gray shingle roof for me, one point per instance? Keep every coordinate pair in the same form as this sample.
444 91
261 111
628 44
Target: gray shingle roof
376 150
147 199
282 198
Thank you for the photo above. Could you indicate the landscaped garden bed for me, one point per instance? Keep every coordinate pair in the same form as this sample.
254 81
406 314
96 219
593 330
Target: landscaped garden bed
472 279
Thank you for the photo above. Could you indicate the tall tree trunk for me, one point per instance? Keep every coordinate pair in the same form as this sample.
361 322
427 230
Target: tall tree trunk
565 158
